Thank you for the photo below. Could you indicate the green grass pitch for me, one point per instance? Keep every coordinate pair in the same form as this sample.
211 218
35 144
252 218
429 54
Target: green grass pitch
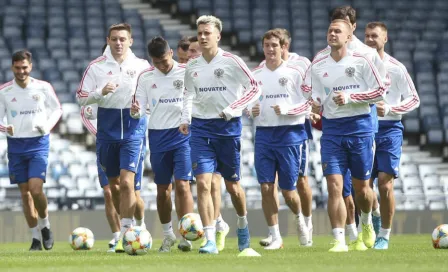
406 253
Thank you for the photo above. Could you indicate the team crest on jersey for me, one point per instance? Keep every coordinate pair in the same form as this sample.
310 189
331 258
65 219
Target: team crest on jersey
219 73
350 71
131 73
283 81
178 84
13 113
36 97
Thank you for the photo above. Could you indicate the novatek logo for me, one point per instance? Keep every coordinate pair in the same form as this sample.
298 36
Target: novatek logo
25 112
212 89
347 87
269 96
170 100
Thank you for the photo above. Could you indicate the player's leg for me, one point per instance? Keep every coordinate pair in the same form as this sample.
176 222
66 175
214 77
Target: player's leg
305 192
362 151
266 241
222 228
228 157
376 214
265 163
334 165
139 213
203 160
389 153
37 168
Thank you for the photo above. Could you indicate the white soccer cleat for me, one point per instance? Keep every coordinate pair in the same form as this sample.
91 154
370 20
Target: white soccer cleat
266 241
185 245
275 244
310 237
167 243
304 234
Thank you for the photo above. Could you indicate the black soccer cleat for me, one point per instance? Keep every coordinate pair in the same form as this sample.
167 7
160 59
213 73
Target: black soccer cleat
47 238
36 245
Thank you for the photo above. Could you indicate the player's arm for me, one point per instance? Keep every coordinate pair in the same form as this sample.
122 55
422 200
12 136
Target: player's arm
410 101
251 93
85 112
382 71
88 92
306 84
296 109
189 92
376 87
140 99
54 108
2 114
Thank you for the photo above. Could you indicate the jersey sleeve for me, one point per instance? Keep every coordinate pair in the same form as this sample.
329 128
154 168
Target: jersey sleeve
91 127
140 96
54 108
299 108
306 84
87 92
251 93
318 91
2 114
189 92
408 92
375 84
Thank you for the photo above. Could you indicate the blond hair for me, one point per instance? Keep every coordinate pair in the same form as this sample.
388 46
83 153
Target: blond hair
210 19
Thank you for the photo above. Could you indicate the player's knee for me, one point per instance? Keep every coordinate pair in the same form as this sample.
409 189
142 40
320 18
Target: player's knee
107 194
203 187
350 204
126 185
233 188
288 194
35 190
302 184
385 187
25 194
182 188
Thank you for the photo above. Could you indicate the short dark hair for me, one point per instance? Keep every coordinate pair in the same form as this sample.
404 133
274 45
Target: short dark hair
184 43
121 26
193 39
381 25
22 55
275 33
158 47
104 48
344 12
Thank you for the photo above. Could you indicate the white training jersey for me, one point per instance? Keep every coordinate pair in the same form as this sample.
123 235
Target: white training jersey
223 85
89 117
280 87
355 76
401 96
295 59
36 105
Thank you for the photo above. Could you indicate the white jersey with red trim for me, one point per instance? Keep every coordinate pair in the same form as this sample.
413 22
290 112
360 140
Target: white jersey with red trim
354 75
27 108
89 117
281 87
223 85
401 96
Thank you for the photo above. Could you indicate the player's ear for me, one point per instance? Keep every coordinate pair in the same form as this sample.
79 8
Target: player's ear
349 37
219 37
131 41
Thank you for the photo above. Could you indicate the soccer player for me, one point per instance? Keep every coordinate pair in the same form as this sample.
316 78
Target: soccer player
110 82
222 228
344 83
182 50
161 88
303 187
400 99
222 86
89 119
32 110
280 135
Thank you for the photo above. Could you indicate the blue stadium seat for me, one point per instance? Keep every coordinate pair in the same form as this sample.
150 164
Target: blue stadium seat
51 75
59 86
71 76
32 43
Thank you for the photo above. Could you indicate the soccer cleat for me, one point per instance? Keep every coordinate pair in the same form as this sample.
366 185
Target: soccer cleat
119 246
204 242
275 244
221 238
209 248
249 252
266 241
357 245
185 245
47 238
381 243
243 238
112 243
376 221
338 247
303 233
310 237
167 243
36 245
368 235
112 246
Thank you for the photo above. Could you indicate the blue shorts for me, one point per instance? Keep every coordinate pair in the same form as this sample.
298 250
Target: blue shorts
283 160
171 163
138 176
22 167
347 187
342 153
303 171
387 155
121 155
210 155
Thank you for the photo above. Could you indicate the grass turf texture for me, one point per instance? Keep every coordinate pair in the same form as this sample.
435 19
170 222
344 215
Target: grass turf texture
406 253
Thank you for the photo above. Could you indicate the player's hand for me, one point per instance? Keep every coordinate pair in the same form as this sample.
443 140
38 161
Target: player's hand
135 108
256 110
109 88
381 109
339 98
10 130
41 129
314 118
223 116
184 129
315 107
277 109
